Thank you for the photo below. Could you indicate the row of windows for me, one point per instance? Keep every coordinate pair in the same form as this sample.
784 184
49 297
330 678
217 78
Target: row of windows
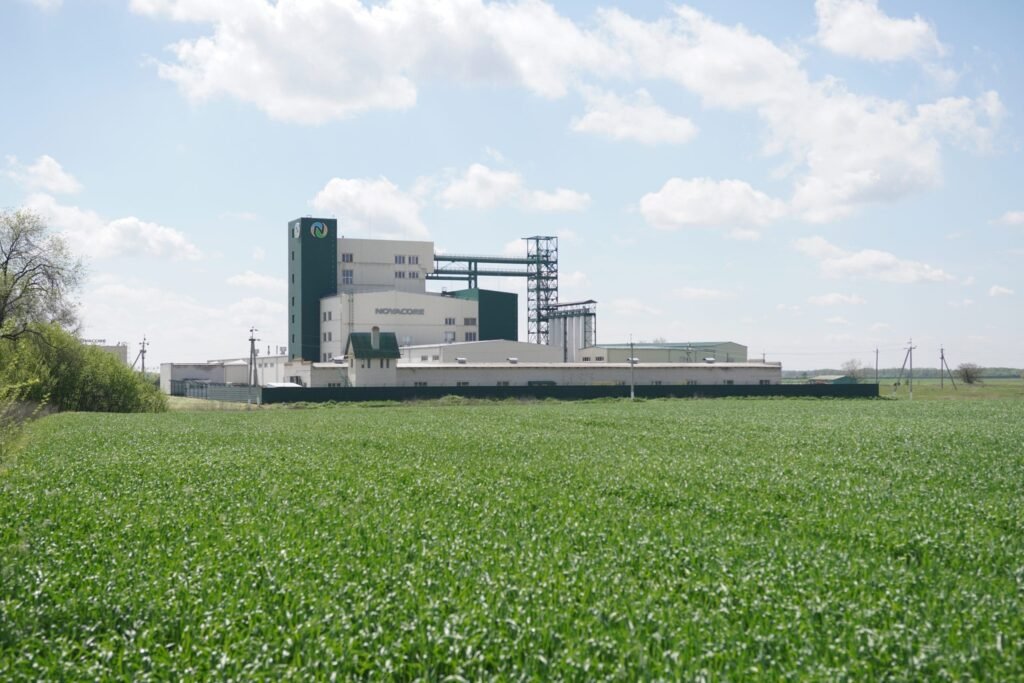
346 277
401 259
328 336
424 358
327 315
586 359
413 275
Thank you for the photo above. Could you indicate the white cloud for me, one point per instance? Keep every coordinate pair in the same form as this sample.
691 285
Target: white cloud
834 299
870 264
45 174
842 150
253 280
90 235
857 28
640 119
371 208
481 187
703 202
195 329
999 290
354 57
702 294
837 320
1012 218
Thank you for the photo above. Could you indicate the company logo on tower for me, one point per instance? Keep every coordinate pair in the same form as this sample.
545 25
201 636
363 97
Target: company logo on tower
318 230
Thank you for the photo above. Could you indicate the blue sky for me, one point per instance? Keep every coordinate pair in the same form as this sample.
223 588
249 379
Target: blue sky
811 179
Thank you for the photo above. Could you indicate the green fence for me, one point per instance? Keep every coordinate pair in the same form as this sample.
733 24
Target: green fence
565 392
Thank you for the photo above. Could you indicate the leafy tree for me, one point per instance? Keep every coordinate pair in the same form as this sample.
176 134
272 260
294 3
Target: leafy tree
54 365
37 276
969 373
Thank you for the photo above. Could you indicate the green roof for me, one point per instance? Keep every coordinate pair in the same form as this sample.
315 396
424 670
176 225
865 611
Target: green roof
360 346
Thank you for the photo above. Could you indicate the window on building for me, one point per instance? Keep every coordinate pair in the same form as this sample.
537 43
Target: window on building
293 318
599 358
293 254
763 382
435 357
449 321
503 383
323 317
346 277
293 339
449 337
471 336
423 358
399 259
462 384
346 258
419 384
691 382
469 322
656 382
293 301
729 381
586 359
293 278
414 275
414 260
330 336
400 274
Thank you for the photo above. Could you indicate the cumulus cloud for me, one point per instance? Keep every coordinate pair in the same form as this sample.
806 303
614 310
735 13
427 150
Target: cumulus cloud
1012 218
858 28
639 119
834 299
870 264
999 290
371 208
91 235
45 174
481 187
253 280
842 149
702 202
355 57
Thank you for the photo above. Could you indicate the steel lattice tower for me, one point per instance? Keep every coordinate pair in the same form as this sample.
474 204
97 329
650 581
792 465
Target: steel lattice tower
541 286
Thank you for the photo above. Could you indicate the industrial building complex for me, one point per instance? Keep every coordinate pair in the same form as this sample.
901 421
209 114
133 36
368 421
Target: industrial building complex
360 315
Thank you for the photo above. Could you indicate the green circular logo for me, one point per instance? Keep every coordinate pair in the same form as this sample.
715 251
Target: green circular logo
318 230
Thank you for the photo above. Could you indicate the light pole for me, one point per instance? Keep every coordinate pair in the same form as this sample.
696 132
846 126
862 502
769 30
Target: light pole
632 363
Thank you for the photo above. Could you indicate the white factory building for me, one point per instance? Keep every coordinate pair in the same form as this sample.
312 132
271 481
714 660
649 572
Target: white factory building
360 314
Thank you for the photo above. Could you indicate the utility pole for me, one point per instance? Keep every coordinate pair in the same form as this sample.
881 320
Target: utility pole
253 378
876 365
142 355
944 366
942 363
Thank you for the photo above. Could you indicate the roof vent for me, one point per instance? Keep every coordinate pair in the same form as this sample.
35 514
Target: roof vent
513 360
460 360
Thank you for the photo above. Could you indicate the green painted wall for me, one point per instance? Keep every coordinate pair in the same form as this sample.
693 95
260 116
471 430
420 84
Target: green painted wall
498 312
312 274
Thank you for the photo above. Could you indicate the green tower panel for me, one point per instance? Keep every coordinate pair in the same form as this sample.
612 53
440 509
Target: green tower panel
498 312
312 274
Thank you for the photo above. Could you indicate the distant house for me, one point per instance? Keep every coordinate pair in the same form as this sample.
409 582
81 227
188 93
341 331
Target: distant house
372 359
832 379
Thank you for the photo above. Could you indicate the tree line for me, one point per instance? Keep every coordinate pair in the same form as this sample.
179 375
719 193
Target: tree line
42 360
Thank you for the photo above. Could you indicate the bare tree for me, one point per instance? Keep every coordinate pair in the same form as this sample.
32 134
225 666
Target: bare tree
969 373
37 276
854 368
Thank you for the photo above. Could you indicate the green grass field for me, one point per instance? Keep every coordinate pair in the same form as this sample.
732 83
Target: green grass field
689 539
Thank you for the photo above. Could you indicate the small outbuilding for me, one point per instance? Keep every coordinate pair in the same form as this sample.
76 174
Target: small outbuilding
832 379
372 359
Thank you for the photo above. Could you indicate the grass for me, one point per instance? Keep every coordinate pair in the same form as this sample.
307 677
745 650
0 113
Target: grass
724 539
